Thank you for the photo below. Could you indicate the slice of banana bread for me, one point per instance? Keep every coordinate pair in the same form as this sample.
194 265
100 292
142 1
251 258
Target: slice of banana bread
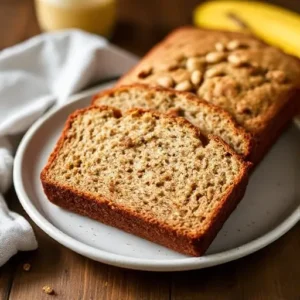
149 174
256 83
208 118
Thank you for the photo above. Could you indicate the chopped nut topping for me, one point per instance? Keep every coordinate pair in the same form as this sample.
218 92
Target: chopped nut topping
228 88
220 47
48 290
214 57
256 80
193 64
278 76
215 71
181 75
165 81
233 45
196 77
183 86
237 60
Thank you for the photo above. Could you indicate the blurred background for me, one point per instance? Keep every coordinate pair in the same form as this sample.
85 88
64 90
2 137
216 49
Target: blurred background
137 24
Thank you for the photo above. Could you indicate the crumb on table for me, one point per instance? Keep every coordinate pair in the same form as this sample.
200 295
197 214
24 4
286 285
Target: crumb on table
27 267
48 290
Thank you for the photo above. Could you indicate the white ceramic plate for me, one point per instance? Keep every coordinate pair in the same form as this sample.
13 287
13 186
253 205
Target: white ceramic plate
269 209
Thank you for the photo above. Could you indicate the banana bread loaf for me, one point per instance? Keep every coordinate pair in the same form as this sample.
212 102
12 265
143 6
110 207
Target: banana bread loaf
208 118
256 83
149 174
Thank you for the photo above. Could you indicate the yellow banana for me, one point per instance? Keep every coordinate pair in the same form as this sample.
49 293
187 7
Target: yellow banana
275 25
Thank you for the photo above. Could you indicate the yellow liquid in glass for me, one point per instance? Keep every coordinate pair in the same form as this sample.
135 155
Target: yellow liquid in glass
95 16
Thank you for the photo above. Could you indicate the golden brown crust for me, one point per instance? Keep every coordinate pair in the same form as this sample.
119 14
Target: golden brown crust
269 59
238 130
103 210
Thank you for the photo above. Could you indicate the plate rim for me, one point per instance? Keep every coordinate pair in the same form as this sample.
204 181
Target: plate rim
179 264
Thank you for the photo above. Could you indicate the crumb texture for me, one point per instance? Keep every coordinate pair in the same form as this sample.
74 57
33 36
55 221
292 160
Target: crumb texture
206 117
153 165
235 71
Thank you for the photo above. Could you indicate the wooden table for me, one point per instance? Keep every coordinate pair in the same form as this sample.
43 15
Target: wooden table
272 273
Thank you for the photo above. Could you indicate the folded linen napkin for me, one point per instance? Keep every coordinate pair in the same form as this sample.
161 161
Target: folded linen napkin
35 75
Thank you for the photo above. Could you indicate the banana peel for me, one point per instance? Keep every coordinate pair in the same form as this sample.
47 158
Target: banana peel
273 24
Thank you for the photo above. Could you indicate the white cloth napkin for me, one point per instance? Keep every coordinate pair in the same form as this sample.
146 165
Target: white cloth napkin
35 75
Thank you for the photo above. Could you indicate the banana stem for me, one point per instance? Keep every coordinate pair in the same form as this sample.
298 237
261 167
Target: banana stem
239 22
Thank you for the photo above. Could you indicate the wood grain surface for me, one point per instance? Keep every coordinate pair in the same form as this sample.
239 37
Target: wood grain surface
271 273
